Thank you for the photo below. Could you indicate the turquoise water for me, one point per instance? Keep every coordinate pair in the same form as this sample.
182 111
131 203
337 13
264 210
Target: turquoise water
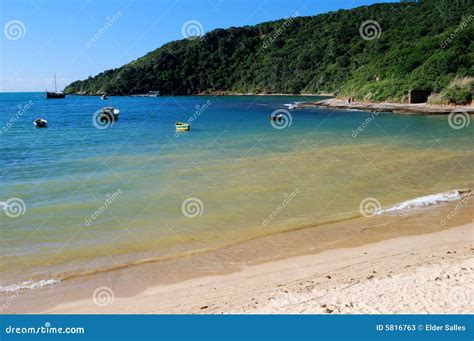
99 198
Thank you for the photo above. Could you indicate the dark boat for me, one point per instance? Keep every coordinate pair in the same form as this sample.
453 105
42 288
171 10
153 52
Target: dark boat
55 93
40 123
276 117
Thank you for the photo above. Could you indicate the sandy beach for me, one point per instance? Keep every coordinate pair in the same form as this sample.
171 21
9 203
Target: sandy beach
420 261
402 108
430 273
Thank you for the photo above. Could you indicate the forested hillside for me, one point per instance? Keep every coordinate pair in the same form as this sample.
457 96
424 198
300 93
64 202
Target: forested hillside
424 45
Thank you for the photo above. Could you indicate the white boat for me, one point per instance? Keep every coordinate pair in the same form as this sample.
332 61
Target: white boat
110 113
154 93
40 123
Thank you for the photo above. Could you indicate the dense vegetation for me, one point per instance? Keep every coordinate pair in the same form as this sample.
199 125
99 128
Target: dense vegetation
424 45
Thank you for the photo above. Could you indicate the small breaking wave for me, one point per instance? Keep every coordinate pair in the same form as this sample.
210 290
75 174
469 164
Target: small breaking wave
428 200
28 285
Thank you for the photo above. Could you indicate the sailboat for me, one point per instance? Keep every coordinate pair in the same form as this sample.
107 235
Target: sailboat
55 94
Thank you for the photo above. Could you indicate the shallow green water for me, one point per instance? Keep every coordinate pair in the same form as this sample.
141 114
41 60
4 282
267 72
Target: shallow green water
100 198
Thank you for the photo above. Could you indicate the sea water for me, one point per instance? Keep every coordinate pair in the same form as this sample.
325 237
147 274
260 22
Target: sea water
81 195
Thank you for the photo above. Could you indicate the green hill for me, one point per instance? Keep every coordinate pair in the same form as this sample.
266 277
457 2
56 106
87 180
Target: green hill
424 45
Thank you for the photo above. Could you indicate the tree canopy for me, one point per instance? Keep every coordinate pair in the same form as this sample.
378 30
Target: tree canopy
423 45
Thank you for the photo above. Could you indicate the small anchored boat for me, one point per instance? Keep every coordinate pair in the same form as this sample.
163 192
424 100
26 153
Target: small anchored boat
40 123
103 97
180 126
109 113
153 93
55 94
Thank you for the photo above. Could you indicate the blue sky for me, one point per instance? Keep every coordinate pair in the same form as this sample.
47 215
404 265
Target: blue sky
71 38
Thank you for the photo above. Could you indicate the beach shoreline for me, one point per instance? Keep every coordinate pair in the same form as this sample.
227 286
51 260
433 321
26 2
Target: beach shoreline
399 108
349 280
193 280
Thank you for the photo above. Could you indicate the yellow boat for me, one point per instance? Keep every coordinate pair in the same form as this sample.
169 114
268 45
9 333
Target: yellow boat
180 126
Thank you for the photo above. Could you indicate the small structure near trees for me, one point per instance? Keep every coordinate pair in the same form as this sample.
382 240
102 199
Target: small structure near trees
419 96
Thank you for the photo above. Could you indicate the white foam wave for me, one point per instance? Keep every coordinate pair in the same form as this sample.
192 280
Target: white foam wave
28 285
428 200
293 105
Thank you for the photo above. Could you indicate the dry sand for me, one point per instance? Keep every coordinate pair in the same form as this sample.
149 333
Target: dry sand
430 273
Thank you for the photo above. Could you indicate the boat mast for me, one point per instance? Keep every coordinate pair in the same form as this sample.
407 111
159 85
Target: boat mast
55 87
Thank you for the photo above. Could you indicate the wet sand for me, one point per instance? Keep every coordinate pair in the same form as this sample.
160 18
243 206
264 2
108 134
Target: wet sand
365 253
421 108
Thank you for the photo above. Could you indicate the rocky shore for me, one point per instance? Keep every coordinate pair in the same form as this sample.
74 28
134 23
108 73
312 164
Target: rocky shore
401 108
